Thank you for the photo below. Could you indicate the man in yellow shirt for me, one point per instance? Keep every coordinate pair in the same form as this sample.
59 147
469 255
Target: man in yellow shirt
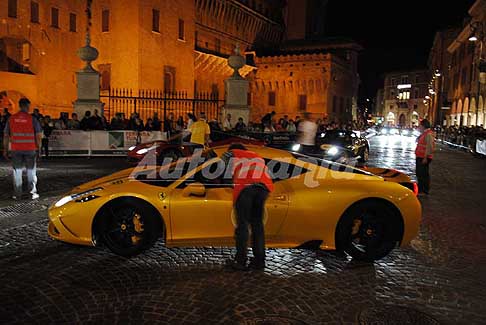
200 130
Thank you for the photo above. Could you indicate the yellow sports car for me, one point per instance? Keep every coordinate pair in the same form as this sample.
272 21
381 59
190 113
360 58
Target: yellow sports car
189 203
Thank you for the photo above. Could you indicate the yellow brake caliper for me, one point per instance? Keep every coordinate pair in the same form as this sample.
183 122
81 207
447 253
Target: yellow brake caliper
138 227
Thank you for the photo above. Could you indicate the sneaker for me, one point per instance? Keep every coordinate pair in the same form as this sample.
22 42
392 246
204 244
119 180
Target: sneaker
234 265
35 196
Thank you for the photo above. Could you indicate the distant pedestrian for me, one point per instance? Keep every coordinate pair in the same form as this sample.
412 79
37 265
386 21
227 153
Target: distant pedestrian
307 134
252 185
47 128
267 121
23 132
200 131
424 154
227 125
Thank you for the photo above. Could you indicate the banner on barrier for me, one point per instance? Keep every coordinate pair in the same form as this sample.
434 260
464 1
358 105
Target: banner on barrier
110 143
69 143
98 143
481 146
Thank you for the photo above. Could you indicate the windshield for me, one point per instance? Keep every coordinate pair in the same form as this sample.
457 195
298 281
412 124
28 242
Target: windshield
166 175
329 164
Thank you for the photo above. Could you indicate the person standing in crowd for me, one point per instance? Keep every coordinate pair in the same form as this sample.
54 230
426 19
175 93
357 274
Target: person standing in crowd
267 121
149 126
47 128
156 122
169 125
307 134
240 126
227 126
73 123
84 124
179 127
6 113
291 127
95 121
200 131
285 122
424 154
252 185
23 132
37 114
117 122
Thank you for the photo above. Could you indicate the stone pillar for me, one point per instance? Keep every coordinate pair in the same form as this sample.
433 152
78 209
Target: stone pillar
236 90
88 79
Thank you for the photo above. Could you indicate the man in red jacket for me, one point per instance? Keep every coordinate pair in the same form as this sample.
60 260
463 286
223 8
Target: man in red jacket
24 134
252 184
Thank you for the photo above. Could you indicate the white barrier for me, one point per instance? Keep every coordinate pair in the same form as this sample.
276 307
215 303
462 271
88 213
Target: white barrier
481 147
98 143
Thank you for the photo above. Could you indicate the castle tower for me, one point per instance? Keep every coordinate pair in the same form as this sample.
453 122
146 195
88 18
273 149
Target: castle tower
305 19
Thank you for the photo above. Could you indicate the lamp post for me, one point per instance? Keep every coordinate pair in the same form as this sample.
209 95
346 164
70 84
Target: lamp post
477 34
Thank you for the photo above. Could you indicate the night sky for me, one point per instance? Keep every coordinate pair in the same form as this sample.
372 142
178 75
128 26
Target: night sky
395 34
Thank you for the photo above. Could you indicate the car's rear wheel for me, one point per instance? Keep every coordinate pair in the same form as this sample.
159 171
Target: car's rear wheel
365 155
369 231
130 227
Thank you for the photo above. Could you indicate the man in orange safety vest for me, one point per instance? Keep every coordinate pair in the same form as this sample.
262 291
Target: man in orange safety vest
424 153
23 134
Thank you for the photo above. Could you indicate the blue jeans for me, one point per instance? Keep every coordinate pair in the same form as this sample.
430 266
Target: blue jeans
21 160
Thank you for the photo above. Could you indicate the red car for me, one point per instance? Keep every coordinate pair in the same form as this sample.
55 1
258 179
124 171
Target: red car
164 149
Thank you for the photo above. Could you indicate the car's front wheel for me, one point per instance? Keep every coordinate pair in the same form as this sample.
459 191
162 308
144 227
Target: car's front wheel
130 227
369 231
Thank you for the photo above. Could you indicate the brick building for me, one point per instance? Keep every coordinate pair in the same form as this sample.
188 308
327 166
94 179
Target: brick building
405 98
177 45
439 67
465 91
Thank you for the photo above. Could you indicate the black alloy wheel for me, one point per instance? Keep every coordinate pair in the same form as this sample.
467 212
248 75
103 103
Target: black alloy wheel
130 228
369 231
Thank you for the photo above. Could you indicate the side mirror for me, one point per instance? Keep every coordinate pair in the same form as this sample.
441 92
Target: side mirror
195 189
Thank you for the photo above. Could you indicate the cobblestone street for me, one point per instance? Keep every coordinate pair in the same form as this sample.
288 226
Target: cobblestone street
439 279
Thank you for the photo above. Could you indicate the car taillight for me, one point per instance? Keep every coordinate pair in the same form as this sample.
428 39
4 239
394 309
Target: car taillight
415 189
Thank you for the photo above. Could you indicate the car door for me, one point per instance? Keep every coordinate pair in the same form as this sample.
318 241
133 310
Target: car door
202 219
210 219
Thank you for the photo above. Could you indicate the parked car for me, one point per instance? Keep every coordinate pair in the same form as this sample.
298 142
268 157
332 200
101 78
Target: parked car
344 208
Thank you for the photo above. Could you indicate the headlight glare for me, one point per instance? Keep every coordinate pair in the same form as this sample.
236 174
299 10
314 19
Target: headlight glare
131 148
333 151
72 197
63 201
296 147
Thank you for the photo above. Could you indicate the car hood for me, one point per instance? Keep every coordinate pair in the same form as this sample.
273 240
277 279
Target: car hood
106 180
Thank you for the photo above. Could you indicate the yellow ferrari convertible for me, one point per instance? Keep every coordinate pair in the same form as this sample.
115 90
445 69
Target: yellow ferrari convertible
189 203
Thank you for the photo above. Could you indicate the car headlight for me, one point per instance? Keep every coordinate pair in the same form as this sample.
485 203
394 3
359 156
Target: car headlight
72 197
63 201
132 148
142 151
333 151
296 147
